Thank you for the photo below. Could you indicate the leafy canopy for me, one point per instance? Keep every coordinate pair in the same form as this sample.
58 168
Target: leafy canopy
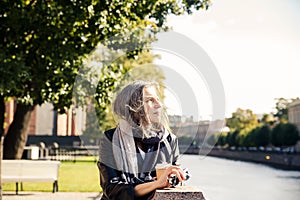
43 42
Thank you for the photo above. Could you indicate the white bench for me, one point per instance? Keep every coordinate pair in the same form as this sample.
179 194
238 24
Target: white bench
19 171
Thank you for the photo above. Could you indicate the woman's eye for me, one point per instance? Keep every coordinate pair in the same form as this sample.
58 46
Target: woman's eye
149 100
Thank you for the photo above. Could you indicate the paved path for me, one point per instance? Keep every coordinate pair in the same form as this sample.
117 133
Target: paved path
51 196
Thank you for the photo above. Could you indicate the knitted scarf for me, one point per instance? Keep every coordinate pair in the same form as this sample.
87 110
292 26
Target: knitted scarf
125 153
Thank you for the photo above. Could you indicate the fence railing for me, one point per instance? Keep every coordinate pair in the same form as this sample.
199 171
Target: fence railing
55 152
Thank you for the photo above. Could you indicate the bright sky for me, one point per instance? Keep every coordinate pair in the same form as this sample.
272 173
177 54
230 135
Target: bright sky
255 46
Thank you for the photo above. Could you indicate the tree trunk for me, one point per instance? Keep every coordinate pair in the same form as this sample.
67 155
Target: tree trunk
2 114
16 137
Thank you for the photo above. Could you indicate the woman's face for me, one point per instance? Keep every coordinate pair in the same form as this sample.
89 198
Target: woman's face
152 104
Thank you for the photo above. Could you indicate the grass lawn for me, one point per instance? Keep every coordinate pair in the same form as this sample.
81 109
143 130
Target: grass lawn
79 176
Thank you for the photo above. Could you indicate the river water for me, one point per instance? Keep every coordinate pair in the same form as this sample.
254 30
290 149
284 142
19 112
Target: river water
222 179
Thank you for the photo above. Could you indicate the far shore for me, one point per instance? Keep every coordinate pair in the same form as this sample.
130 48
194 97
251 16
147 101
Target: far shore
278 159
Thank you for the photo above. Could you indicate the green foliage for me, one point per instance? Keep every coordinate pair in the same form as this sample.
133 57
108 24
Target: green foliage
222 139
213 139
268 119
247 132
246 137
255 137
242 119
242 124
232 138
284 135
291 134
262 136
185 140
100 114
92 128
281 109
43 44
276 137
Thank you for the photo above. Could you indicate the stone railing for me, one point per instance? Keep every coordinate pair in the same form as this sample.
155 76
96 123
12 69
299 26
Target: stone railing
179 193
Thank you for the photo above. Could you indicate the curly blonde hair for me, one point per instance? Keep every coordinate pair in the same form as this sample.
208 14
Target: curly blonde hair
129 105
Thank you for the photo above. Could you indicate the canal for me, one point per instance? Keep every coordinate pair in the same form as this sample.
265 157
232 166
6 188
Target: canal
222 179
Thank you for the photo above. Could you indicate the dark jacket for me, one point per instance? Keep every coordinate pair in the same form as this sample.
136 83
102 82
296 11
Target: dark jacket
114 189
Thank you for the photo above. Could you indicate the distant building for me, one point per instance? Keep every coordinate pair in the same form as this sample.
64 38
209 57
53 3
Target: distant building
294 113
46 121
177 120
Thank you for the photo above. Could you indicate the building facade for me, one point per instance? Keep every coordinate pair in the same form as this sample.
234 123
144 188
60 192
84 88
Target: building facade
294 113
46 121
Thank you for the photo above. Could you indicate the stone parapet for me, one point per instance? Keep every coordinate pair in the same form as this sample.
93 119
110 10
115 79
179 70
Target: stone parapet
179 193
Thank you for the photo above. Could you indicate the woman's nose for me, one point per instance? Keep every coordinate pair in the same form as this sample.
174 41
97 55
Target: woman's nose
158 104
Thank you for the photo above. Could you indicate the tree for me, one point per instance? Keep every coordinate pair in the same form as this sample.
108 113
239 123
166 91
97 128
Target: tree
267 119
139 68
221 140
246 137
284 134
241 123
242 119
43 44
232 138
262 136
276 136
214 139
290 134
281 109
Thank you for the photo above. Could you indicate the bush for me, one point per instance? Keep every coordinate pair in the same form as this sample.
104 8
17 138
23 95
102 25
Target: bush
185 140
232 138
262 136
284 135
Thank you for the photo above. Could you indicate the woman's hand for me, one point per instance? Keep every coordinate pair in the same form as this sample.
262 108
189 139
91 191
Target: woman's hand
162 181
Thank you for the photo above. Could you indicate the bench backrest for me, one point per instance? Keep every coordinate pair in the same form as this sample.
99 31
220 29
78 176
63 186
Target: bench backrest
30 169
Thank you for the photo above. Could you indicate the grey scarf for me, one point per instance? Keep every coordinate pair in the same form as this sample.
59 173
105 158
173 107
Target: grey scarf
126 156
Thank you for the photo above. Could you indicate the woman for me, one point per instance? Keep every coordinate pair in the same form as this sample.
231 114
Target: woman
142 139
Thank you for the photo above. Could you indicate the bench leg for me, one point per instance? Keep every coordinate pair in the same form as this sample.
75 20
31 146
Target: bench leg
17 187
55 186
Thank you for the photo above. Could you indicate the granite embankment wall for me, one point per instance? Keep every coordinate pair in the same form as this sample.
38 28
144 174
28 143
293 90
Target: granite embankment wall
282 160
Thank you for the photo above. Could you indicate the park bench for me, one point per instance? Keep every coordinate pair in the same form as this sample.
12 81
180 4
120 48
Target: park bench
19 171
